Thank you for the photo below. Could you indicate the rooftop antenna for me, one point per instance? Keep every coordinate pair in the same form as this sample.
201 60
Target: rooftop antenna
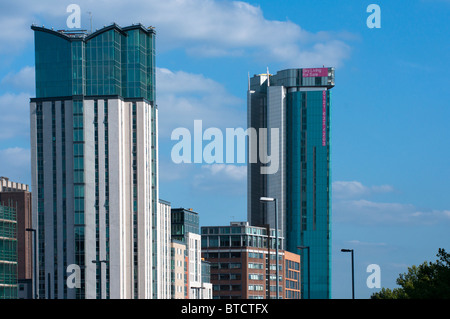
90 18
249 81
268 77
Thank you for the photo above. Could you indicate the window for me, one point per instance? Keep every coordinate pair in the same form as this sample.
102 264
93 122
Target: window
235 241
255 266
224 241
213 241
235 254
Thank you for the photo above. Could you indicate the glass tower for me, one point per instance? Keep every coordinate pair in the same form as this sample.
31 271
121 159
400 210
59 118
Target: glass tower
296 102
94 162
184 221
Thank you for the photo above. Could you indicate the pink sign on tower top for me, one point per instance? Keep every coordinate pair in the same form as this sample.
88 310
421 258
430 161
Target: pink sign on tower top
307 73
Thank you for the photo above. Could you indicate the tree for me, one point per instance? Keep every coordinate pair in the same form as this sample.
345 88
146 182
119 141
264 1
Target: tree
386 293
426 281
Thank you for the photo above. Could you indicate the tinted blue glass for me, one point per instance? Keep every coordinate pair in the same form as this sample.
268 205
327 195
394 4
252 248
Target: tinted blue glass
53 65
138 61
103 65
112 61
308 187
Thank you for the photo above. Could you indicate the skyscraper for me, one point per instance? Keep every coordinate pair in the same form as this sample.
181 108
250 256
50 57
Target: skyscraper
94 162
296 103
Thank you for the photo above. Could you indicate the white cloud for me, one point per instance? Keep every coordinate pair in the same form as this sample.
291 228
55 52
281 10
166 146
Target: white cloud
184 97
15 164
355 189
221 178
15 118
350 205
169 82
366 244
367 212
201 27
16 18
22 80
233 172
169 171
14 107
16 32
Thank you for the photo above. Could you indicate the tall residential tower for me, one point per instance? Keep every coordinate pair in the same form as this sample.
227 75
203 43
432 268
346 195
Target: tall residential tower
296 103
94 162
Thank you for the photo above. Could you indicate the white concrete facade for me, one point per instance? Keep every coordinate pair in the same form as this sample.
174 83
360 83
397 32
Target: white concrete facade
193 242
119 196
178 270
164 254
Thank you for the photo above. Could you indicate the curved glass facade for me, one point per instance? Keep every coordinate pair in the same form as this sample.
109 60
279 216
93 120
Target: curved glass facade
53 65
112 61
103 64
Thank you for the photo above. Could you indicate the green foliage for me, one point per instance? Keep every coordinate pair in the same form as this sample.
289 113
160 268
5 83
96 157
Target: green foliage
387 293
426 281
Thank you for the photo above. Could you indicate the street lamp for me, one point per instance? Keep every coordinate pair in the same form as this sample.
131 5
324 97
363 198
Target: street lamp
353 270
309 270
270 199
100 281
35 261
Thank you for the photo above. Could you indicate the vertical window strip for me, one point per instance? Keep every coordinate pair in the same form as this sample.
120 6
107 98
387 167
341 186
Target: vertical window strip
40 191
97 217
314 188
78 185
55 209
328 156
154 200
135 199
64 194
105 121
303 159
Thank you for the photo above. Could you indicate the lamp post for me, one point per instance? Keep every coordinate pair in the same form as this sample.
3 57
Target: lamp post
353 271
100 281
270 199
35 261
268 260
309 270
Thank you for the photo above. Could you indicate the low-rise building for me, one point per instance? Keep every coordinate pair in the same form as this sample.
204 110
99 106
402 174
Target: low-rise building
244 263
18 195
8 253
185 230
179 273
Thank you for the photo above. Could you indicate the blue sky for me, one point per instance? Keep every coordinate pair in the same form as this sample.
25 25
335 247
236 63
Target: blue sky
390 108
